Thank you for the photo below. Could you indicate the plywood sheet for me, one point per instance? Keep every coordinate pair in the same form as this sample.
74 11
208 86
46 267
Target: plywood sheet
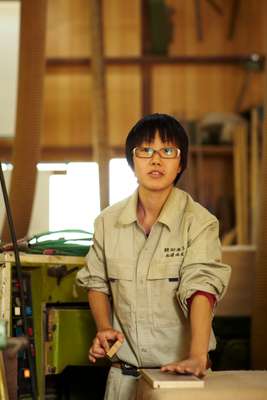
67 118
122 27
189 91
68 28
160 380
248 36
124 101
239 296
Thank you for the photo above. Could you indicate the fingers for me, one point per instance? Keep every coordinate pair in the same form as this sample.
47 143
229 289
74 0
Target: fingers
101 343
186 367
96 351
111 335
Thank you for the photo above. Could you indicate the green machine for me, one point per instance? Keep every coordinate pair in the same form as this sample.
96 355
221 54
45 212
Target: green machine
62 326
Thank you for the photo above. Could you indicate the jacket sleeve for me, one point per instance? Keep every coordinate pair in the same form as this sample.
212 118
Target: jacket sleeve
93 275
202 268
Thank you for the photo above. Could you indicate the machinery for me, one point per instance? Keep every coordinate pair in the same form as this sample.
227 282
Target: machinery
59 324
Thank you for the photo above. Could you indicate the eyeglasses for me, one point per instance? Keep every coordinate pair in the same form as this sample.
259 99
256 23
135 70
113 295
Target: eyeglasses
165 152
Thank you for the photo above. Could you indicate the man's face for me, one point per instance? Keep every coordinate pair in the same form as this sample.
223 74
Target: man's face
156 173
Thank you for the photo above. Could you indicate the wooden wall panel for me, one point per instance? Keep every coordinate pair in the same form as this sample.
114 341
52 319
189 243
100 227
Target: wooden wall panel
67 117
191 91
68 28
248 36
188 91
122 27
124 101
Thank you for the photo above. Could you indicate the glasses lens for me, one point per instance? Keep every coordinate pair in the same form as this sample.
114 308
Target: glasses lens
144 152
169 152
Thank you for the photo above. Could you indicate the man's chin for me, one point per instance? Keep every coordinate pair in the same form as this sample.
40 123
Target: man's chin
156 187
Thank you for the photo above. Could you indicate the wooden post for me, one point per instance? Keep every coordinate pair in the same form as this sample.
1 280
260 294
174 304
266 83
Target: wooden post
254 175
29 119
241 182
99 103
259 310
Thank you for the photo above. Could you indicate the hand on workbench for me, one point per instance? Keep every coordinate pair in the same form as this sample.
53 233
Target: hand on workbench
191 365
101 344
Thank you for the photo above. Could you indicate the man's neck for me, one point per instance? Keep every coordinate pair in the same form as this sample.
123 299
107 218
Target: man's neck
149 206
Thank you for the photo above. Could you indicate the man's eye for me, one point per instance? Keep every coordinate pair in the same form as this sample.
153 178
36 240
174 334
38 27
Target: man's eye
168 150
147 150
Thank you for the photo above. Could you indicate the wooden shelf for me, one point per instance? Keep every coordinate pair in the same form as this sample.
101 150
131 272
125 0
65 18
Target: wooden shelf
213 150
153 59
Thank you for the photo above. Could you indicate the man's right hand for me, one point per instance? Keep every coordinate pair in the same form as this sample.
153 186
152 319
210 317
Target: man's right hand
101 344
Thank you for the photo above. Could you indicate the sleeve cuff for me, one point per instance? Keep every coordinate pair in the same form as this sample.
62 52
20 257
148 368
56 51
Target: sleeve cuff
211 297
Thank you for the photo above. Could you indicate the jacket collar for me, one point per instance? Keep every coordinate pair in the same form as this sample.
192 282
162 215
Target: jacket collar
170 212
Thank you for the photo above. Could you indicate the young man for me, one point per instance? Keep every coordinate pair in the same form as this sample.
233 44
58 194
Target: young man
154 272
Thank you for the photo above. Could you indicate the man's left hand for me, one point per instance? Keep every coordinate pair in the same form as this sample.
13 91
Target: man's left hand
191 365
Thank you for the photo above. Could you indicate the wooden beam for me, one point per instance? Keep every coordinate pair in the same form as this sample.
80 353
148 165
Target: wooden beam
241 182
99 102
259 314
238 60
254 174
26 150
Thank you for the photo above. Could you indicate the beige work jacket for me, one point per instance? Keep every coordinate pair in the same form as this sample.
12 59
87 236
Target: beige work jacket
150 279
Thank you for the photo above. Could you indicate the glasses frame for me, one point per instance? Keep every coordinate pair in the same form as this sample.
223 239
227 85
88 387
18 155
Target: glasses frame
158 152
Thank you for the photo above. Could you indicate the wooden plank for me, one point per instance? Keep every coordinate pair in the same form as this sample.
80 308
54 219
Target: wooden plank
168 380
113 350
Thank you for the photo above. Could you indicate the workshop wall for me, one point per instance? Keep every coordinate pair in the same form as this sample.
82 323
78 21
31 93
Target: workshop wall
188 91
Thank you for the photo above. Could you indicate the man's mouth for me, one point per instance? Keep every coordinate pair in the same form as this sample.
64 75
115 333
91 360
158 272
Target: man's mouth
156 174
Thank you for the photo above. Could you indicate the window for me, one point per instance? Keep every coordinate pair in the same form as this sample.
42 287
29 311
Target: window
122 180
9 50
74 199
67 195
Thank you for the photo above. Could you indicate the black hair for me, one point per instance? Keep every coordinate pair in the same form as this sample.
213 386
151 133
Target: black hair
169 129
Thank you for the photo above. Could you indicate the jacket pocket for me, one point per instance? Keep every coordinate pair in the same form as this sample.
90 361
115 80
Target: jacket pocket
163 282
120 275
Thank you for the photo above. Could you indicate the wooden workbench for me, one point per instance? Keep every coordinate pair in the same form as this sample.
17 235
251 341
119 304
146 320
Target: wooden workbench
222 385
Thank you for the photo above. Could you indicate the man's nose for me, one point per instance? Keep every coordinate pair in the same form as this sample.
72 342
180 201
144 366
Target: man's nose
155 159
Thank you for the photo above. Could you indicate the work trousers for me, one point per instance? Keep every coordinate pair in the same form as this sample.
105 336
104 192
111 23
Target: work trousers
119 386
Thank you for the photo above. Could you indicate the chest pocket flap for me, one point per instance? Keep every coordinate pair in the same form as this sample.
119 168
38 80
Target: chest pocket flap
120 270
159 270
